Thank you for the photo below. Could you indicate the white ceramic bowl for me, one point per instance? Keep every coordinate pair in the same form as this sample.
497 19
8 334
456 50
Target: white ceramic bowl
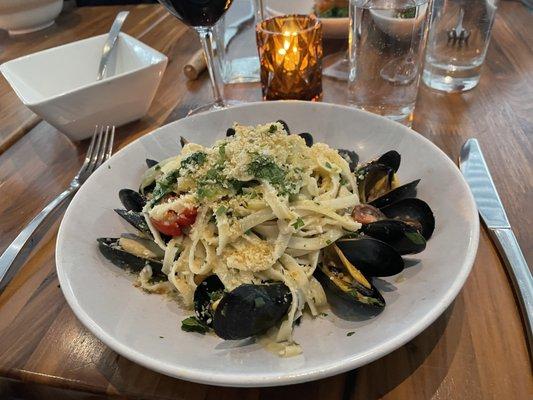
59 84
146 328
334 28
24 16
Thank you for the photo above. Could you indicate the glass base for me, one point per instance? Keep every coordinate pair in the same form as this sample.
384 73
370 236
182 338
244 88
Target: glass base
241 70
213 107
448 81
403 115
336 66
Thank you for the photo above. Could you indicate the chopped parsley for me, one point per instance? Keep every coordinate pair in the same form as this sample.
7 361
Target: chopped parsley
264 168
193 324
272 129
221 210
343 181
328 165
350 333
323 314
298 224
407 13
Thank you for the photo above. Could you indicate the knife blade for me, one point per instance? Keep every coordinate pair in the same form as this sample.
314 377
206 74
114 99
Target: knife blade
477 175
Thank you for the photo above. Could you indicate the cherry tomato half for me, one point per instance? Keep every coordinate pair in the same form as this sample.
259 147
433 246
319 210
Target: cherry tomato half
174 223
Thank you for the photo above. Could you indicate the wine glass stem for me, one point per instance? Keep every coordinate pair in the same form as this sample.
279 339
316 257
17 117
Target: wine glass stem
259 11
206 37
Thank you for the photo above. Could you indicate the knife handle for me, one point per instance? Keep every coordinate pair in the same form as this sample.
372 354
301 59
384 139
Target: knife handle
520 275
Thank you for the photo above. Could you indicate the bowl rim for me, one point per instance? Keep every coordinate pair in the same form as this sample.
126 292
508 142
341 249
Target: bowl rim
7 70
233 380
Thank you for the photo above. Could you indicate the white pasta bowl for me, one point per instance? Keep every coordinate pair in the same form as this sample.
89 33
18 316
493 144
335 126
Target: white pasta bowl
59 84
25 16
146 328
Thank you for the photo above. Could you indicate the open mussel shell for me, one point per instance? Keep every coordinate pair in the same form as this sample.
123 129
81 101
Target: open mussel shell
374 181
391 159
403 237
131 200
371 256
250 310
415 212
343 279
207 293
396 194
285 126
135 219
131 253
351 156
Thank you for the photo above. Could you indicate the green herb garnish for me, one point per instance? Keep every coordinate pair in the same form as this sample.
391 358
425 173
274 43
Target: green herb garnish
407 13
350 333
298 224
193 324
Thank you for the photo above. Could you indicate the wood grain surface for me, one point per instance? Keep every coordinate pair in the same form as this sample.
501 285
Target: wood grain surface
475 350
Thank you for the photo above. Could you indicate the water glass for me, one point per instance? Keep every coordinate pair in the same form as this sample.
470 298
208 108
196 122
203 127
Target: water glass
387 40
457 44
235 35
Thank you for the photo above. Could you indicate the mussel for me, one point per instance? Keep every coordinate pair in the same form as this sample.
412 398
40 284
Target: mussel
378 176
151 163
351 156
414 212
403 237
285 126
250 310
131 200
371 256
340 277
132 252
135 219
307 137
206 295
399 193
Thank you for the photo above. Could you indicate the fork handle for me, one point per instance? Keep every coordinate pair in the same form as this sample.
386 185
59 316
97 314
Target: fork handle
15 248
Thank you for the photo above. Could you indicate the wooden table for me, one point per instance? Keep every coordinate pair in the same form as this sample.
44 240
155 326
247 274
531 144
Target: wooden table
476 350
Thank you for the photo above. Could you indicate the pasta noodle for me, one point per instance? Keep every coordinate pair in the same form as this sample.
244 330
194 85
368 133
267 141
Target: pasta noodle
266 205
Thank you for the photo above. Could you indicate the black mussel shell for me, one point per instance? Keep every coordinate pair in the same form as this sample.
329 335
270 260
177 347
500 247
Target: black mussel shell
371 256
183 141
150 163
391 159
132 200
374 180
307 137
207 292
397 194
285 126
357 295
404 238
230 132
415 212
135 219
351 156
110 249
251 310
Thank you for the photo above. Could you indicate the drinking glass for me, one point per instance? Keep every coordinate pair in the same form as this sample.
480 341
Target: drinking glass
387 39
202 16
457 45
236 52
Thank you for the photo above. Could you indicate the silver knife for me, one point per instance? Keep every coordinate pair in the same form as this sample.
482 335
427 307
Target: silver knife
490 207
110 44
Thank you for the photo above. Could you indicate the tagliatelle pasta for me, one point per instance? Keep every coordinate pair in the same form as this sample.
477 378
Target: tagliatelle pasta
265 205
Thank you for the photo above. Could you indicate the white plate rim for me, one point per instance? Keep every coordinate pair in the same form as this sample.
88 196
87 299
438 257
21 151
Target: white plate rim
290 378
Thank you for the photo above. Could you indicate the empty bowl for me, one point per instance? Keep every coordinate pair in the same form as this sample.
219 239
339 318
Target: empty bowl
59 84
24 16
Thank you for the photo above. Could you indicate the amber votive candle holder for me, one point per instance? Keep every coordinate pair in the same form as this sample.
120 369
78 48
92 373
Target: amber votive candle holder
290 53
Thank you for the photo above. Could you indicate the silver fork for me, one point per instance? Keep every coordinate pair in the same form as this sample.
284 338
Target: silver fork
99 150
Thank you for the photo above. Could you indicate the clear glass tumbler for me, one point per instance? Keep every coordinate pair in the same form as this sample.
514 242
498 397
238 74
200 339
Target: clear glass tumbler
235 38
386 46
457 44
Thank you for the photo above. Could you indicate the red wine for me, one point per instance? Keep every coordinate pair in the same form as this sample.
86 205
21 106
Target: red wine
197 12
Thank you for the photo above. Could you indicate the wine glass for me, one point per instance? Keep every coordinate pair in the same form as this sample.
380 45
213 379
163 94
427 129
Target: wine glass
202 15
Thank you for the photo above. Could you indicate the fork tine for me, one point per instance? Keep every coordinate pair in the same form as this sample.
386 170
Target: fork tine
103 146
89 149
96 149
109 149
